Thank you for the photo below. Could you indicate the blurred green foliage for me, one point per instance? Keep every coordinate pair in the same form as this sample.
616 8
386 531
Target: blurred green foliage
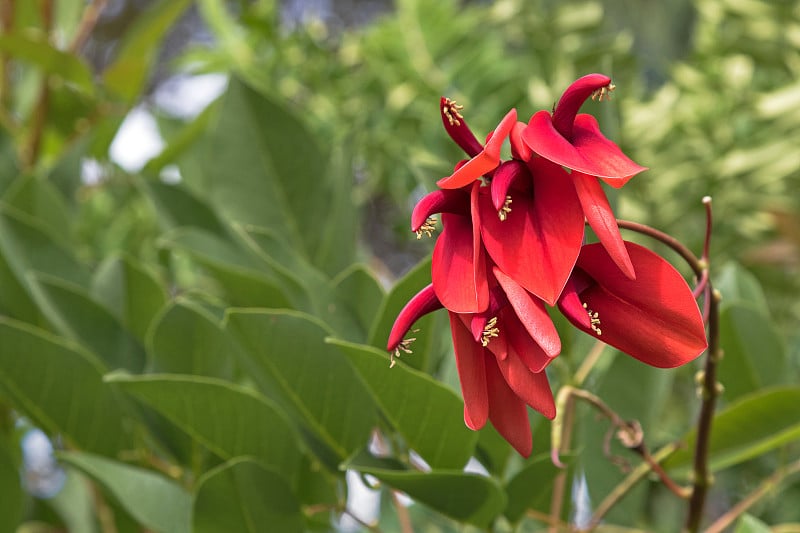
223 335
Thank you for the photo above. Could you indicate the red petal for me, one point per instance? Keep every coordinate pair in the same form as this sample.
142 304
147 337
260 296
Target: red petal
602 220
519 150
572 100
506 411
654 318
422 303
485 161
439 201
531 387
458 278
538 243
570 304
507 174
531 313
471 372
605 158
457 128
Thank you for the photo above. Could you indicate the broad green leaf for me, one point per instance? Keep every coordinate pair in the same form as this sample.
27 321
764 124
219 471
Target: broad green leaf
11 504
358 289
468 498
187 339
428 344
753 425
750 524
130 69
241 495
755 356
74 503
41 200
226 418
245 281
34 48
76 316
129 291
261 166
286 354
59 386
154 501
28 245
428 415
738 286
179 207
531 488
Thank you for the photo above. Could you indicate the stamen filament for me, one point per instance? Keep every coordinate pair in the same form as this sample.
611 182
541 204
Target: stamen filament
427 227
452 112
603 92
505 210
594 319
489 330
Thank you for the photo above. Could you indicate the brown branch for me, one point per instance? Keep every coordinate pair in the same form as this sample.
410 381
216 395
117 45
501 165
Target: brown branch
88 21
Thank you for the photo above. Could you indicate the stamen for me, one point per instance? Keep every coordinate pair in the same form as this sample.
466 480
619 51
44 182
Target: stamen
489 330
404 347
603 92
452 111
505 210
427 227
594 319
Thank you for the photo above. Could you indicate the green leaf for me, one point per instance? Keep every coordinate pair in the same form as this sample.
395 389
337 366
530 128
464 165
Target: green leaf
286 354
34 48
179 207
468 498
41 200
130 69
738 286
153 500
76 316
74 503
428 415
59 386
243 496
130 291
245 281
361 293
753 425
531 488
427 346
11 504
227 419
755 355
187 339
750 524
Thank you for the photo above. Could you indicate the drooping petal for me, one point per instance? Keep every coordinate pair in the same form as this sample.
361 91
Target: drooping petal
439 201
653 318
424 302
538 243
471 374
458 269
573 98
606 160
570 304
486 161
519 150
507 175
531 387
602 220
506 410
457 128
531 313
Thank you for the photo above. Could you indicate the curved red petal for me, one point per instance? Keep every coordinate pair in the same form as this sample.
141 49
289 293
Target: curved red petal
539 241
507 411
572 100
506 175
602 220
439 201
457 127
424 302
653 318
533 388
543 138
471 373
519 150
458 279
532 315
605 159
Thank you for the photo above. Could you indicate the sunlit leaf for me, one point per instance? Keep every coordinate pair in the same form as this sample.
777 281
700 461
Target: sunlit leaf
531 488
34 48
153 500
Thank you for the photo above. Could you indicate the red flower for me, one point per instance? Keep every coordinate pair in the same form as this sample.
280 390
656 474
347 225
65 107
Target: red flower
653 318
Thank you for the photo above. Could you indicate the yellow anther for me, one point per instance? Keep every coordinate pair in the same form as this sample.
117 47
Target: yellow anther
403 347
427 227
489 330
453 112
603 92
594 320
505 210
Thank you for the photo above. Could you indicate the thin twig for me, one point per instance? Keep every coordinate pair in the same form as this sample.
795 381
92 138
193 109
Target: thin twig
402 514
88 21
588 363
763 489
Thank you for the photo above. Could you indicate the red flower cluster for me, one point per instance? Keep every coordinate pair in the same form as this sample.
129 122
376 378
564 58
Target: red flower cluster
513 241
